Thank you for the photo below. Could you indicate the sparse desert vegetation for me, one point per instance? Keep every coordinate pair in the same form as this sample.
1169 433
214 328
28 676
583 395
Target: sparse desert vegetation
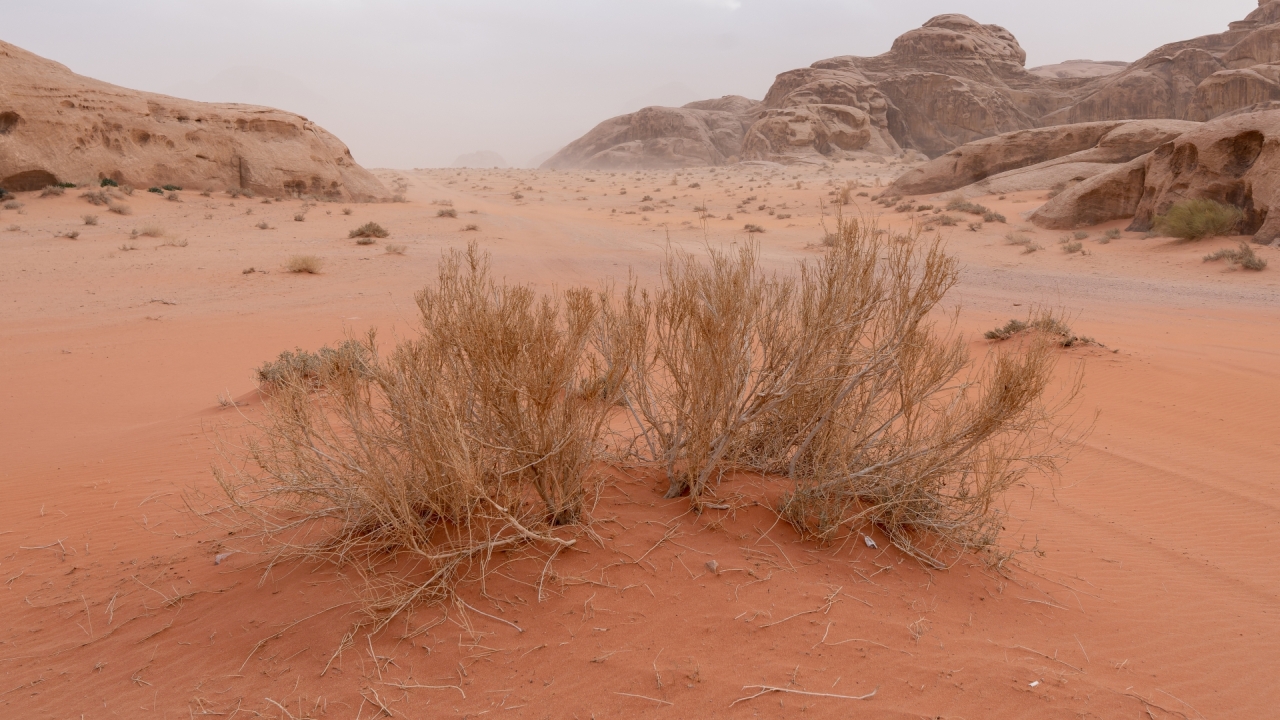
306 264
369 230
396 248
446 213
1242 256
89 219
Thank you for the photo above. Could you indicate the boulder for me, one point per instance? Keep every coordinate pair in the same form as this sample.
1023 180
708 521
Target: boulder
1111 195
57 126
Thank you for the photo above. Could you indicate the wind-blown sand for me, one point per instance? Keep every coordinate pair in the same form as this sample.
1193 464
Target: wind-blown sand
1155 590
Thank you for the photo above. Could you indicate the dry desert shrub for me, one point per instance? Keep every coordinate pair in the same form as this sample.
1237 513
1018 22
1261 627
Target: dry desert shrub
396 248
836 379
1244 256
411 467
309 264
154 231
1198 219
120 208
447 213
369 230
89 219
53 191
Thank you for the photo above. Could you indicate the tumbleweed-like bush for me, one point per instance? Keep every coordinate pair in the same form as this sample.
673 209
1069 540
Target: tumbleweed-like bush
837 379
413 465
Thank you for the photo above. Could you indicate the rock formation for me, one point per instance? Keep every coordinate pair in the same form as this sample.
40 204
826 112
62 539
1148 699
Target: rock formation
707 132
1039 158
1232 160
950 82
1079 69
57 126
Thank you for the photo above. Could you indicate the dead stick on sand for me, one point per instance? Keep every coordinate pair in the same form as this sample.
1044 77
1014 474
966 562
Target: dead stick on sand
403 686
286 629
644 697
1047 657
766 689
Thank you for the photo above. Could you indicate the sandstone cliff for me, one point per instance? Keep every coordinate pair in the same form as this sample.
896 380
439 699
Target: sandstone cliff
950 82
57 126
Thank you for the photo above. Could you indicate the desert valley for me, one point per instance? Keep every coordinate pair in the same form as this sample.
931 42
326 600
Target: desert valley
158 255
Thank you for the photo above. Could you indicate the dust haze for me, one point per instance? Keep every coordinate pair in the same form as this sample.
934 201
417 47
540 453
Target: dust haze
418 84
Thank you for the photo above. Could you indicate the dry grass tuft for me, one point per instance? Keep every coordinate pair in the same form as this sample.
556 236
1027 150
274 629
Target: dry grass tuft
154 231
89 219
309 264
396 249
417 465
447 213
836 379
120 208
1244 256
369 230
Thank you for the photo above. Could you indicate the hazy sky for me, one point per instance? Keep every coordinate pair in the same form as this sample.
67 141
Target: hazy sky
415 84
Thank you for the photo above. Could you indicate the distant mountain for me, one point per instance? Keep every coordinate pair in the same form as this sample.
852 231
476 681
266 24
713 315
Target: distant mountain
950 82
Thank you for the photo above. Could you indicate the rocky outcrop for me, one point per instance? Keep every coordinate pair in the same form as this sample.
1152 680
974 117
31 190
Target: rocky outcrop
708 132
57 126
1233 160
1106 196
1039 158
1197 79
948 83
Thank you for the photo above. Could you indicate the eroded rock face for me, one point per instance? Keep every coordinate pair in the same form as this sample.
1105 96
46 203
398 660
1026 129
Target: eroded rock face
57 126
1233 160
954 81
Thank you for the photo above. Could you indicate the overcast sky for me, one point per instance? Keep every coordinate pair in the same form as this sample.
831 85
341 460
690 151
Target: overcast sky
417 83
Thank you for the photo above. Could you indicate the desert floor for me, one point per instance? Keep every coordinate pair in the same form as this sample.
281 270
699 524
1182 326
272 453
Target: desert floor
1155 591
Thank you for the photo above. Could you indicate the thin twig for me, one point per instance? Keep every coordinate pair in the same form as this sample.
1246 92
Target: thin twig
766 689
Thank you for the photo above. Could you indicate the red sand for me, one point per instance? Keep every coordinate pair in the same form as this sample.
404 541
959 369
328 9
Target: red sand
1157 593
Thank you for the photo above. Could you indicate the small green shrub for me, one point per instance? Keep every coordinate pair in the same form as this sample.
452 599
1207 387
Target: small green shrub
1198 219
108 182
369 230
170 188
